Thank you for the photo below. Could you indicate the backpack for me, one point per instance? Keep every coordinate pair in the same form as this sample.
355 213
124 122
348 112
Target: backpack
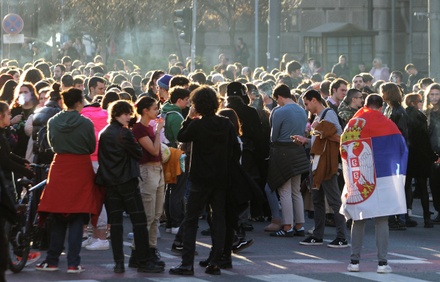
340 120
164 116
42 149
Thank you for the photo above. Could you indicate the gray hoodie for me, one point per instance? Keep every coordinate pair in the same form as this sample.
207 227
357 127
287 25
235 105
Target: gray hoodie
71 133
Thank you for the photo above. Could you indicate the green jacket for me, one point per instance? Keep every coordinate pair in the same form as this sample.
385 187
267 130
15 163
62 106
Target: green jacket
173 122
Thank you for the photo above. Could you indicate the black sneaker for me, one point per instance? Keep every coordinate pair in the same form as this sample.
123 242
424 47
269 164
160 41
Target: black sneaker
241 244
338 243
283 233
299 232
176 248
397 225
410 222
311 241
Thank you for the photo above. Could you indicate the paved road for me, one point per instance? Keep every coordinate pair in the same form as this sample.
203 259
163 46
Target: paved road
414 256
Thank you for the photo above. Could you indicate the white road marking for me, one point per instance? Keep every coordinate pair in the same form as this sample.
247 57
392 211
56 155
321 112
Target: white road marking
383 277
313 261
283 277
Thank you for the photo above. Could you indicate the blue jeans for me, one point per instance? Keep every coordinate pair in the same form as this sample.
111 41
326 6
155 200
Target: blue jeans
60 224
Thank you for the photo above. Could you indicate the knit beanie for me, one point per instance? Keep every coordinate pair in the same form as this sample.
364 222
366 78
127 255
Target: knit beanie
164 81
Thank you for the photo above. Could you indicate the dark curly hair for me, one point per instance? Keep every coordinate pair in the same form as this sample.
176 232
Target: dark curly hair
118 108
205 100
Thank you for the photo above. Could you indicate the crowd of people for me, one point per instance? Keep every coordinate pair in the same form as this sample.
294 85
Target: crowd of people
174 145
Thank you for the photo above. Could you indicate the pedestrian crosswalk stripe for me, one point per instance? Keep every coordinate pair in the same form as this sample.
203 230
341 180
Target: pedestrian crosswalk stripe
407 261
78 280
313 261
177 279
283 277
383 277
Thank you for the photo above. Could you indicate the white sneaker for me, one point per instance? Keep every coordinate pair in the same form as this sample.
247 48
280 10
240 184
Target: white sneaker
88 241
99 245
384 269
174 230
353 267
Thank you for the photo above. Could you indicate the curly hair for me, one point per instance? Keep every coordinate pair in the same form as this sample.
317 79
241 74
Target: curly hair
118 108
205 100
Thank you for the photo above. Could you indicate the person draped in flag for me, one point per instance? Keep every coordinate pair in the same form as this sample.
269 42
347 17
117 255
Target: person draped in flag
374 160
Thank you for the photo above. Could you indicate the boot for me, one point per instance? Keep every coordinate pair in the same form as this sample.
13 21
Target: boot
427 220
274 225
410 222
150 267
155 257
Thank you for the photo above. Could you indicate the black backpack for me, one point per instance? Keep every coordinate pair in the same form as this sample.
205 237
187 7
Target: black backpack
42 150
341 121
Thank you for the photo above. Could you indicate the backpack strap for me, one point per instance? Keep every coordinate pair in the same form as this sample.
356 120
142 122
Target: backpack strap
325 112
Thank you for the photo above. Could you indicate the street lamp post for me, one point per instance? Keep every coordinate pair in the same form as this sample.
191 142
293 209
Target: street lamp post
434 38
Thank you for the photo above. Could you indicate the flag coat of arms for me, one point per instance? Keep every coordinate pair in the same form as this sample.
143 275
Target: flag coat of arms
374 160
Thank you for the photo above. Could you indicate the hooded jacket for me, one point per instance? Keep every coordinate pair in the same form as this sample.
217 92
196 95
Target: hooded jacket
173 122
99 118
42 115
71 133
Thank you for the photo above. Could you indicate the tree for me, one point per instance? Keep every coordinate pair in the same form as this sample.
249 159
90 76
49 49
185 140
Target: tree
229 13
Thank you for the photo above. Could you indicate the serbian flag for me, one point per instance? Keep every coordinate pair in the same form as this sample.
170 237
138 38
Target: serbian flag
374 160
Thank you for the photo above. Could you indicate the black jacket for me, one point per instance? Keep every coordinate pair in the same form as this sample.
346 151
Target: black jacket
214 145
42 115
399 116
118 155
420 154
10 162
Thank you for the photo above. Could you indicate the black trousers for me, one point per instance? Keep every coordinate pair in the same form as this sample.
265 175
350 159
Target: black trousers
3 249
214 195
421 185
126 197
434 184
175 202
